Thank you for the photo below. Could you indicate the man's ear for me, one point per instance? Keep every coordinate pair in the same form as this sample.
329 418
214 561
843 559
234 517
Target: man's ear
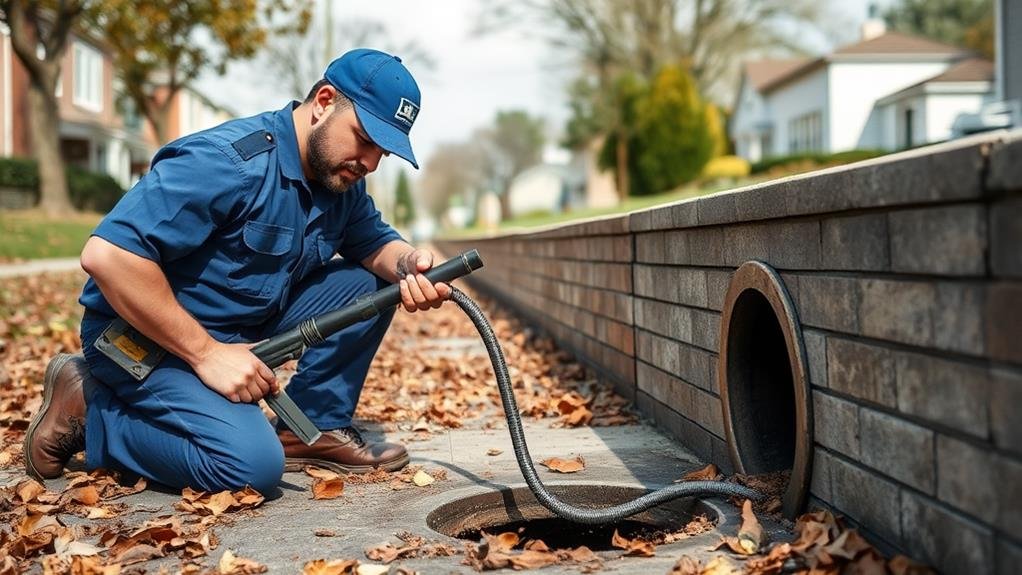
322 102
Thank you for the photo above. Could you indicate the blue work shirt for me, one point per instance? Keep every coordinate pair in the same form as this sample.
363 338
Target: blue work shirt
230 218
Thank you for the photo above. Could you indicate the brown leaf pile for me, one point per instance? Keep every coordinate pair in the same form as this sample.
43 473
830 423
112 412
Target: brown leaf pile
216 504
415 386
498 552
411 546
826 546
39 318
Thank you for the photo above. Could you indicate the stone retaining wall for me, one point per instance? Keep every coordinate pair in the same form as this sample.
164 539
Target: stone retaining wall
906 272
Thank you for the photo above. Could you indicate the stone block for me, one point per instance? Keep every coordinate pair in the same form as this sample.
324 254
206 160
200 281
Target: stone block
898 449
761 202
836 424
862 371
708 412
829 302
898 311
816 356
950 393
661 218
716 288
857 243
717 208
705 246
942 240
795 245
640 221
685 214
820 480
966 477
1009 557
1005 173
746 242
866 497
649 248
676 247
1006 237
694 366
1003 315
947 541
1006 408
705 329
950 172
958 323
690 284
1008 474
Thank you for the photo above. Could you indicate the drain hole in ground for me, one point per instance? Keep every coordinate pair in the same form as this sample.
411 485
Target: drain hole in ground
516 510
557 533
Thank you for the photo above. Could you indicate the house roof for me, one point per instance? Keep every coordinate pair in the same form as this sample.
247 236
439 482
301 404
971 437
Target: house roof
897 43
887 44
968 70
762 72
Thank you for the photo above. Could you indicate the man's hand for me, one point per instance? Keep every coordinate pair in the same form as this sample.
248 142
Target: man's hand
234 372
416 291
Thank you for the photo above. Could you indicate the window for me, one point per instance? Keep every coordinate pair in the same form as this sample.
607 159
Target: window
805 133
88 77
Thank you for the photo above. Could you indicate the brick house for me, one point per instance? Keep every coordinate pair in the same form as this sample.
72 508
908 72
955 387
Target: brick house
95 132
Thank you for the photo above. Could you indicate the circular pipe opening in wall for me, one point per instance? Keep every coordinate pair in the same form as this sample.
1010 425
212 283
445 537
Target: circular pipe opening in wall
763 384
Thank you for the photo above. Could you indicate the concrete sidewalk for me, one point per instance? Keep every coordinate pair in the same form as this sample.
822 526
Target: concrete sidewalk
39 266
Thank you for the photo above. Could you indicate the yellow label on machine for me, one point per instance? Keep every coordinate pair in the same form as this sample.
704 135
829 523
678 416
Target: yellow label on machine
130 348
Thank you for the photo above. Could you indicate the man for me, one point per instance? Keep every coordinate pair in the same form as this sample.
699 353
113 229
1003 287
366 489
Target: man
228 240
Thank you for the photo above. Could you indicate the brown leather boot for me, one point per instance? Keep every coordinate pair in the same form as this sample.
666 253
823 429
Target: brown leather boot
342 450
57 432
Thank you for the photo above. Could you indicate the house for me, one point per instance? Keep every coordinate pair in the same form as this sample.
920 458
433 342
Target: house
95 133
888 91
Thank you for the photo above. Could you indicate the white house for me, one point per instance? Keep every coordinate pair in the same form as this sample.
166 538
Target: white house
888 91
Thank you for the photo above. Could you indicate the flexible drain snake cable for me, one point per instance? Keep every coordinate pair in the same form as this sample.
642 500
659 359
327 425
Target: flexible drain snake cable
290 345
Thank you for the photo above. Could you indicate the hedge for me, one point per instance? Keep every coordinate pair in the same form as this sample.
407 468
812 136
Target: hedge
821 159
88 190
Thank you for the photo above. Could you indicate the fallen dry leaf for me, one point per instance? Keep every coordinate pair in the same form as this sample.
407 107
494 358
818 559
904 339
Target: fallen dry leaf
633 547
230 564
565 465
493 451
327 488
332 567
708 473
422 479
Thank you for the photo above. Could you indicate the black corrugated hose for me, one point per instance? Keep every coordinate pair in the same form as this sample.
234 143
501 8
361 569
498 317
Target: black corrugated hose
561 509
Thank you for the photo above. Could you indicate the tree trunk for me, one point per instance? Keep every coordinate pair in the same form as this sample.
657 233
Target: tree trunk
621 156
43 119
505 205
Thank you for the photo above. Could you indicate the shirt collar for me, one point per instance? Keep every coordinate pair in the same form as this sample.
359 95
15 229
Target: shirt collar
287 144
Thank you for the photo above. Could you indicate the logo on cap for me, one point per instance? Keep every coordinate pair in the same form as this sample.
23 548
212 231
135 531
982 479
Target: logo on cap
406 111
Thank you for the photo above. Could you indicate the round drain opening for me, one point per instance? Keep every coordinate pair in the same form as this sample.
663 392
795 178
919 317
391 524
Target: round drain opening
516 510
764 392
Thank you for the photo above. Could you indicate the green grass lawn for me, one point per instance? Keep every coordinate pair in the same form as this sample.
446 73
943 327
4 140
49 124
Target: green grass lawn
29 234
629 205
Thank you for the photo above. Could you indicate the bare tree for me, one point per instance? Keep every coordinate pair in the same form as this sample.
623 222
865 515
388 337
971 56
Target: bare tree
299 58
32 25
453 169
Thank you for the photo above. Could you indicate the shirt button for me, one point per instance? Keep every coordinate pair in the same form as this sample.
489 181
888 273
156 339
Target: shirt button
269 137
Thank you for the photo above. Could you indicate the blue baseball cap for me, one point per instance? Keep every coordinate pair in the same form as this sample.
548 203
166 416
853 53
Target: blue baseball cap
385 95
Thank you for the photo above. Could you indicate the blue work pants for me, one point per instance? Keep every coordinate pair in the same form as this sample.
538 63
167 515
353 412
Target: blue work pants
172 429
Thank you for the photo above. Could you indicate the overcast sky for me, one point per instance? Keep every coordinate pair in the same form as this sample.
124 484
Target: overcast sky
474 76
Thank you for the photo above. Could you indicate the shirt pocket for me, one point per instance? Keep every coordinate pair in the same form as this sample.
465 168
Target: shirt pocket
327 244
261 264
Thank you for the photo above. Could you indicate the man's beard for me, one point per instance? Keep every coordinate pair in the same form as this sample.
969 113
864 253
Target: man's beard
322 169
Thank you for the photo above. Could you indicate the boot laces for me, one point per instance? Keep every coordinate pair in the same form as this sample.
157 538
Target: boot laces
73 440
352 433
